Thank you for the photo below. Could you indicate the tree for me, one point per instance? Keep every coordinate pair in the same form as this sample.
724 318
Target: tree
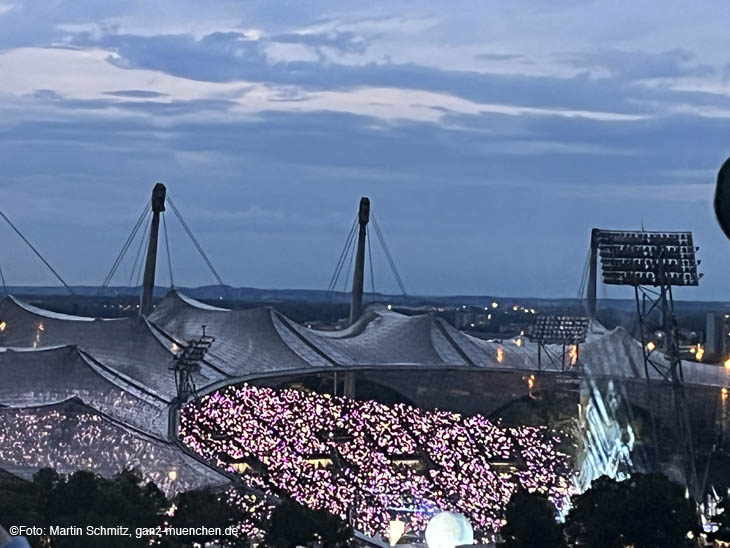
210 509
644 511
531 522
87 499
79 500
19 501
294 525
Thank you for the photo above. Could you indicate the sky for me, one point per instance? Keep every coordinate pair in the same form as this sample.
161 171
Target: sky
490 136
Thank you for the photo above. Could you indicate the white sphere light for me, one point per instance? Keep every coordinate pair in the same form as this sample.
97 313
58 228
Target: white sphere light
447 530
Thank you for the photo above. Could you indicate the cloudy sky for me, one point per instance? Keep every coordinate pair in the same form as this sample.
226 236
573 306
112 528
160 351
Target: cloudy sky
491 136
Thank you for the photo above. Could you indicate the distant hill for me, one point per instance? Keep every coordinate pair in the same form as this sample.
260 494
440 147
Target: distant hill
213 293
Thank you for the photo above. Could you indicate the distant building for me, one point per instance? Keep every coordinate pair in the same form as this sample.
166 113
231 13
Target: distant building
716 338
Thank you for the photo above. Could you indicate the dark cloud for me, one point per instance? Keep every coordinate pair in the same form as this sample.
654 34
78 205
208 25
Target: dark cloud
498 56
344 42
638 65
487 203
135 93
231 56
281 188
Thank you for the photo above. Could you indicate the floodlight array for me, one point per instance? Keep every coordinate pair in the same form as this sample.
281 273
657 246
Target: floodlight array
648 258
559 330
193 353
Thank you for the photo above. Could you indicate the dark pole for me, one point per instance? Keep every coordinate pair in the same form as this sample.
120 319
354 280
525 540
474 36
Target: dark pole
359 275
148 284
592 275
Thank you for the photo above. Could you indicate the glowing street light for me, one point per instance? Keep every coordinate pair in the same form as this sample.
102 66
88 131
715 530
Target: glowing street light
699 353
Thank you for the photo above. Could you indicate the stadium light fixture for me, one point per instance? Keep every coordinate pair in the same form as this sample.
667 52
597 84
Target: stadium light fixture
567 332
648 258
559 330
653 263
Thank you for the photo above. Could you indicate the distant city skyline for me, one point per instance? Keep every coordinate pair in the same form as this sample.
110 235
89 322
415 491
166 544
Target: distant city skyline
491 137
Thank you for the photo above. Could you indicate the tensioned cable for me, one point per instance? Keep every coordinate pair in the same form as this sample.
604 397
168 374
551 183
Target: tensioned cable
145 240
30 245
139 254
167 246
584 277
349 268
5 287
197 245
341 260
388 256
126 245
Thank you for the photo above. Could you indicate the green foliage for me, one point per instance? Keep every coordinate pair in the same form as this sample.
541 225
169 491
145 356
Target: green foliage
18 500
87 499
531 522
645 511
295 525
209 509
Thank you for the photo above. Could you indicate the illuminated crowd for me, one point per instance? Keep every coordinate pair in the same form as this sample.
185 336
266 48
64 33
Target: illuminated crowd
70 436
370 463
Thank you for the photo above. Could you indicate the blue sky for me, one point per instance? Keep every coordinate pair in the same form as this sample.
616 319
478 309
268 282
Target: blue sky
490 136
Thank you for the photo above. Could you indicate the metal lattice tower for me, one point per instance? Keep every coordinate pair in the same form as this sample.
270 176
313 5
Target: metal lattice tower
653 263
565 332
187 363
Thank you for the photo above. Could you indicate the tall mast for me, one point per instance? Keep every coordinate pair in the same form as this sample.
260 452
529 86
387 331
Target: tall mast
359 274
148 283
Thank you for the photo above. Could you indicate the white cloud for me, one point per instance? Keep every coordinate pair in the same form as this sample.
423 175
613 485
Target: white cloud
89 75
286 52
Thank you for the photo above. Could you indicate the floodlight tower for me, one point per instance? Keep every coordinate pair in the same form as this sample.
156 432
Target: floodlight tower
568 332
148 283
653 263
187 363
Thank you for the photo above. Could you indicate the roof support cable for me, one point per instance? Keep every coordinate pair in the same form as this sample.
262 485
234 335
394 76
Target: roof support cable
388 256
348 253
125 247
142 241
349 269
143 244
341 261
30 245
5 287
167 247
584 277
198 247
370 261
